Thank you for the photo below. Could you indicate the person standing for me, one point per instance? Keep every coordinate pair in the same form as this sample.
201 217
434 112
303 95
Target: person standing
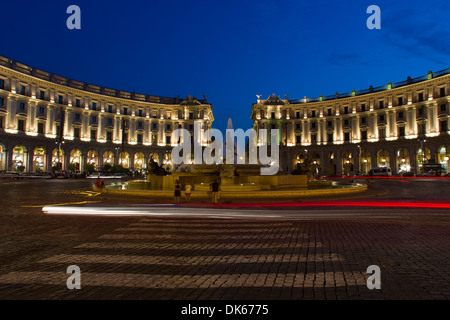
177 192
98 183
215 188
188 189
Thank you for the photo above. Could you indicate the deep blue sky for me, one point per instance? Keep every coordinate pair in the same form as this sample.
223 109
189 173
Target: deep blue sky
230 50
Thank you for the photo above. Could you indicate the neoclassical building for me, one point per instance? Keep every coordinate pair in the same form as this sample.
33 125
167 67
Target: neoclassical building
47 120
400 125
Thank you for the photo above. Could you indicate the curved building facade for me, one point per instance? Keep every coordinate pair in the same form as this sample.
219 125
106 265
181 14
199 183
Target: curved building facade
401 125
49 121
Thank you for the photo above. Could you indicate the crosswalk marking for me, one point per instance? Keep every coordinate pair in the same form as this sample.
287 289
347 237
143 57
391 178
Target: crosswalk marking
203 260
238 251
131 280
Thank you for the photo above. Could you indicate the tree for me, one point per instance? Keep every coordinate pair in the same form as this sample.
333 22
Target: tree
106 168
89 168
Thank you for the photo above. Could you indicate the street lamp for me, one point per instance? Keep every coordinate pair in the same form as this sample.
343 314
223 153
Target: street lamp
359 161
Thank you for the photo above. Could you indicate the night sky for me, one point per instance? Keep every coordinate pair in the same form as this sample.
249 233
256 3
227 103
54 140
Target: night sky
230 50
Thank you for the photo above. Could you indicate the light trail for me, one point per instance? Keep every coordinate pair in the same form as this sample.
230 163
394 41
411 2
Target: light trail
235 210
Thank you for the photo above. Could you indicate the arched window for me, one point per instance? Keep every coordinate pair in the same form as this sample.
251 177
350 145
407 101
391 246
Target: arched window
39 159
19 161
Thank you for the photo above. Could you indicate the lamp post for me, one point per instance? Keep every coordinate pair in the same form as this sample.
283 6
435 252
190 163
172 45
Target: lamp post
422 140
117 155
59 137
359 160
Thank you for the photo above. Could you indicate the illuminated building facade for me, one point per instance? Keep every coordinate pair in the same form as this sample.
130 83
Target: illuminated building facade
49 121
401 125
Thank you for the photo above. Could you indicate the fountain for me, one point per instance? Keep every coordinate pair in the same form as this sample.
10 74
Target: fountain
236 181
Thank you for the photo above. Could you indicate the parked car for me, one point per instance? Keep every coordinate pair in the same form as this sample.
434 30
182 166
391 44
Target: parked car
380 172
107 175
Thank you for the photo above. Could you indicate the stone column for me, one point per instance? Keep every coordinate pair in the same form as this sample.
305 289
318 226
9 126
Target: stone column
101 126
67 125
50 121
31 120
117 128
147 132
11 108
85 123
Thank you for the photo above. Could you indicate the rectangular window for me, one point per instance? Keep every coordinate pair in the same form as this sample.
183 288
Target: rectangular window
297 115
1 101
21 106
400 101
77 103
76 133
77 117
167 139
329 112
313 125
442 92
154 126
346 136
382 133
140 112
313 138
345 110
298 139
329 123
313 114
110 122
21 125
2 84
421 111
401 131
41 110
381 105
94 106
443 107
108 135
60 99
42 95
297 126
168 127
330 137
273 115
22 90
125 111
93 119
140 125
363 120
363 107
382 117
400 115
139 138
40 128
443 126
110 108
420 97
191 127
346 122
191 115
363 135
125 137
93 134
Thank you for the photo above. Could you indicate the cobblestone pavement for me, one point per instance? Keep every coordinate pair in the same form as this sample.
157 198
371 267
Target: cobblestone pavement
221 259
